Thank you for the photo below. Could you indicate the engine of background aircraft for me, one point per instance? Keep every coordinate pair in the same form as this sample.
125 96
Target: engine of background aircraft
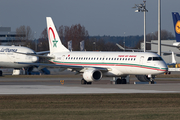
176 44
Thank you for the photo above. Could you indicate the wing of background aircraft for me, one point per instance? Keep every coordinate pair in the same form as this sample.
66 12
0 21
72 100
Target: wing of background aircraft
138 50
38 54
163 44
42 52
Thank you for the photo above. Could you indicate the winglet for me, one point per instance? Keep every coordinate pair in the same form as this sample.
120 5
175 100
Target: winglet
120 46
55 44
173 58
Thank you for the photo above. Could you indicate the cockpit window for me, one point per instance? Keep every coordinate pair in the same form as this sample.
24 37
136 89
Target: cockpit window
150 58
154 59
157 58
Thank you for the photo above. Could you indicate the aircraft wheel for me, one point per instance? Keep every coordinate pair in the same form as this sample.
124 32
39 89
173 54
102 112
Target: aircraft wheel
123 81
118 81
152 82
83 82
89 83
1 72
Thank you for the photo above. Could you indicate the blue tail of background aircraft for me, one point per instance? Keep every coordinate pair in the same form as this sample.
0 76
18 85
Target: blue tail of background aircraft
176 21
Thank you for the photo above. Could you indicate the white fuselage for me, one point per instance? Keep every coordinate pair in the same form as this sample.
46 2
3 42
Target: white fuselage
118 63
9 57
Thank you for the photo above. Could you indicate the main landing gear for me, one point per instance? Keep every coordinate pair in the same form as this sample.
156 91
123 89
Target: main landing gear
120 80
83 82
1 73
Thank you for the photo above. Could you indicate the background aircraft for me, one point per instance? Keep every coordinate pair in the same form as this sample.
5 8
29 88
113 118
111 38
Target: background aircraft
10 57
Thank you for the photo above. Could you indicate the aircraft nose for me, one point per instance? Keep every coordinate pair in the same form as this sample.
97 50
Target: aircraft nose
35 59
164 67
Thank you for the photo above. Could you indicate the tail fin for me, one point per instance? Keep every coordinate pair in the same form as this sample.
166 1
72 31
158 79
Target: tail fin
55 44
176 21
173 58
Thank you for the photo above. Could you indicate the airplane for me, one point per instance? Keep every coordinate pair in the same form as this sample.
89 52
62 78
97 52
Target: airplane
95 65
9 57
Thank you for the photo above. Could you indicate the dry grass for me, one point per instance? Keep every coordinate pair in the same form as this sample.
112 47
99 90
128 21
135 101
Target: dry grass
93 106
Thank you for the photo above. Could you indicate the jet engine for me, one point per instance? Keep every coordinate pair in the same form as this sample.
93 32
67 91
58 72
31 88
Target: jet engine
144 78
92 75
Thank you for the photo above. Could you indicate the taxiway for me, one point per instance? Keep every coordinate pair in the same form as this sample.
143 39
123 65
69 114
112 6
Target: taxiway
24 85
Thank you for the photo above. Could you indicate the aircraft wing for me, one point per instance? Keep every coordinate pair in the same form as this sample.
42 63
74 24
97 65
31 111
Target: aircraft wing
139 50
162 44
170 53
73 67
42 52
38 55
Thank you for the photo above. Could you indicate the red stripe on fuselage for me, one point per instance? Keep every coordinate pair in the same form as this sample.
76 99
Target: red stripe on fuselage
108 65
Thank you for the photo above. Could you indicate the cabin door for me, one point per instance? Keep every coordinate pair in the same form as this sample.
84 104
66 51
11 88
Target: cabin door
63 58
141 60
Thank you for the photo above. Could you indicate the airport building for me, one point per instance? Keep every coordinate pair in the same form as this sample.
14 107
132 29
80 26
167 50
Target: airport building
7 37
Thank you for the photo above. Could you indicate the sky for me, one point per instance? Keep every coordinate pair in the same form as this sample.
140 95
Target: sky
99 17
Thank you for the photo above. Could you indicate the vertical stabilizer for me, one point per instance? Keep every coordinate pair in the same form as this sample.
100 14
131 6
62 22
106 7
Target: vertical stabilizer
55 44
176 21
173 58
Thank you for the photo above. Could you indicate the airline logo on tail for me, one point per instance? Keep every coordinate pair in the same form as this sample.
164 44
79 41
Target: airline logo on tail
178 27
54 41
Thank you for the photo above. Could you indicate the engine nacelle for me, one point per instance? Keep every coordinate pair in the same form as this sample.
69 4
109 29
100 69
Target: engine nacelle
92 75
176 44
144 78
